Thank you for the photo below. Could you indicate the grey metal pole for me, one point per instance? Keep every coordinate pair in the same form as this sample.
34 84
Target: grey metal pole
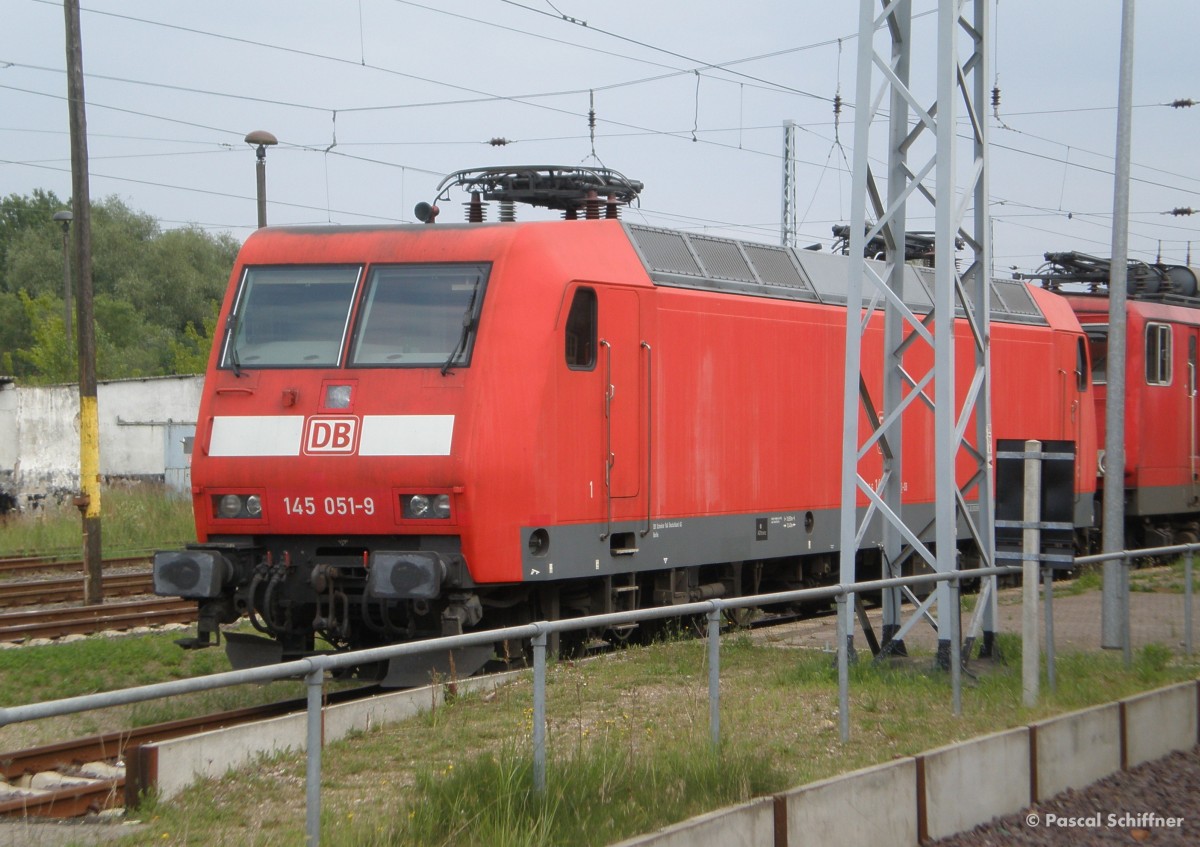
843 661
539 713
1048 586
1114 404
1031 549
956 645
714 677
315 681
261 140
1187 603
1126 634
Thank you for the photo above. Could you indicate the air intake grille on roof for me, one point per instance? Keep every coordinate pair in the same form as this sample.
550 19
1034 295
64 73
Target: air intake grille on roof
666 251
705 263
775 266
1016 297
722 259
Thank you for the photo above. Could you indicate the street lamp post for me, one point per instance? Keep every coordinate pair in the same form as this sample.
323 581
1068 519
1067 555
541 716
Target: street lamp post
65 217
262 140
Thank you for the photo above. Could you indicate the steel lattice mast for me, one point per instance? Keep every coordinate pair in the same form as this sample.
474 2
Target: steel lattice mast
923 165
787 233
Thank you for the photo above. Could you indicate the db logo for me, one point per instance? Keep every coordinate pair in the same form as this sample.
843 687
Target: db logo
331 435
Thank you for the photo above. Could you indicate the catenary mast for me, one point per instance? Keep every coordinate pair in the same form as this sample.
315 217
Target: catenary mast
928 165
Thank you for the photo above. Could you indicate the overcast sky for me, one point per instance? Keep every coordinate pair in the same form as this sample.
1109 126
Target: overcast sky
373 101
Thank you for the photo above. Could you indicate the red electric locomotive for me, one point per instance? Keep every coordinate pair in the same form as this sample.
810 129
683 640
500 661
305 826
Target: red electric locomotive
408 431
1162 331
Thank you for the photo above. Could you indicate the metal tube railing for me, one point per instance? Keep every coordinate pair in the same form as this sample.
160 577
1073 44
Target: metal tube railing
1127 556
314 668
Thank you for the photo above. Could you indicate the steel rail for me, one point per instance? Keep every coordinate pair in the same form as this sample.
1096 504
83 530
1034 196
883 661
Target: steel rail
70 589
85 620
38 564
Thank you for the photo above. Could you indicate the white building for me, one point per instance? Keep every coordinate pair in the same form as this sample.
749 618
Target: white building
146 430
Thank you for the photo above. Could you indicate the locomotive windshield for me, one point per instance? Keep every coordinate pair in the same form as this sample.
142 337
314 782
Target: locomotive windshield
290 317
419 316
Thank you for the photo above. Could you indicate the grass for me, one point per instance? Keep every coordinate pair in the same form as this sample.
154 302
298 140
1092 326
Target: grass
133 519
1089 579
628 741
68 669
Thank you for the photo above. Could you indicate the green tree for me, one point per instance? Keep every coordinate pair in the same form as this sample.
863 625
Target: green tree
49 356
190 356
152 289
21 214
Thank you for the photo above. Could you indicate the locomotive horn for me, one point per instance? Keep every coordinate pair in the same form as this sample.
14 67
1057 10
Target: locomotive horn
426 212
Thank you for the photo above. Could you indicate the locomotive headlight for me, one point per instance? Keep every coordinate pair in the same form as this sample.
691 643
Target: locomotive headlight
337 396
418 506
424 507
234 506
230 506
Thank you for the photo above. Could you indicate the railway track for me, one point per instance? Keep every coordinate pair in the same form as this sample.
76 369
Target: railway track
70 589
18 565
112 784
86 620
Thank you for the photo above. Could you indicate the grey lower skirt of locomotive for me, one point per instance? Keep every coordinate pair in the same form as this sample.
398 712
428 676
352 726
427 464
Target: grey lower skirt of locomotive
352 596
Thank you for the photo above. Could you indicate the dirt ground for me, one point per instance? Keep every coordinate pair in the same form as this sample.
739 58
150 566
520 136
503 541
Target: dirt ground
1154 618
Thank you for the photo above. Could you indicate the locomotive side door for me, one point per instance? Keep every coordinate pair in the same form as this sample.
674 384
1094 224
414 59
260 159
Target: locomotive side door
620 354
1073 380
1074 377
600 457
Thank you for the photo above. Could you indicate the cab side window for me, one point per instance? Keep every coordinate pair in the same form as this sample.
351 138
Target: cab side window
581 331
1097 339
1158 354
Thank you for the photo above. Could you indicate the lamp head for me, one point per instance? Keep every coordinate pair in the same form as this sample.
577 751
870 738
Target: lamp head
262 139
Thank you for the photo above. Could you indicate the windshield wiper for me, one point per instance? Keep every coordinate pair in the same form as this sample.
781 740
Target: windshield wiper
468 323
231 345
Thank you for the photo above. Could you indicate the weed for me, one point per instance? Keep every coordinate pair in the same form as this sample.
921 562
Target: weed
134 519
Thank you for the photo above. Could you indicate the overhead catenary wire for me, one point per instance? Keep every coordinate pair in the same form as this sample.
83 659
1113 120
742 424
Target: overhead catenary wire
610 128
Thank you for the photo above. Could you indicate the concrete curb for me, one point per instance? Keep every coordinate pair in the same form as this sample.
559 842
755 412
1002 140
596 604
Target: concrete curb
169 767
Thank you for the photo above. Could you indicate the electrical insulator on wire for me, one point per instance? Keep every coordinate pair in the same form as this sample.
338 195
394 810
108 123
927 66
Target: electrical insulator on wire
1182 211
500 142
1182 104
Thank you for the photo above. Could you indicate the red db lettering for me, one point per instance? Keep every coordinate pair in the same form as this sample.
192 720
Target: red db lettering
331 435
